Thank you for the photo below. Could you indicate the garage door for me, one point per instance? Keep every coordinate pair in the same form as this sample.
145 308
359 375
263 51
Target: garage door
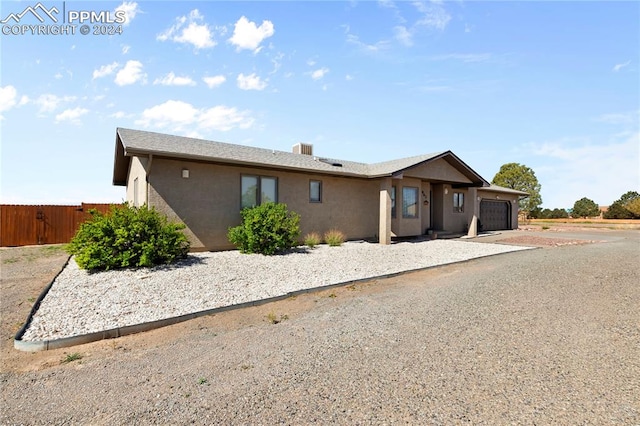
494 215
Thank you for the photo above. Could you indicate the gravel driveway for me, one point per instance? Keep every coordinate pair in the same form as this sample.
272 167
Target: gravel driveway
548 336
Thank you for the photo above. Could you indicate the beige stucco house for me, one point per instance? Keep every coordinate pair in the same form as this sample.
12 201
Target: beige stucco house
205 184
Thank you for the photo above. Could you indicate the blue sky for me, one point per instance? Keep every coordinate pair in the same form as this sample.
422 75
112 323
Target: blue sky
552 85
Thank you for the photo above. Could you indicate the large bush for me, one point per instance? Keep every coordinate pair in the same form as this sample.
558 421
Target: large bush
128 236
267 229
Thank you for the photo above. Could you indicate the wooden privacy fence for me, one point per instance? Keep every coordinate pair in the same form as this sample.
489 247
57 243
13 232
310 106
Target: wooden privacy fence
27 225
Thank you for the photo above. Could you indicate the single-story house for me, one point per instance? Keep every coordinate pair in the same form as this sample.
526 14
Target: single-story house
205 184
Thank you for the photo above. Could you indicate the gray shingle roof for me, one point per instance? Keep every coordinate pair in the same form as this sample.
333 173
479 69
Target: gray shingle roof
135 142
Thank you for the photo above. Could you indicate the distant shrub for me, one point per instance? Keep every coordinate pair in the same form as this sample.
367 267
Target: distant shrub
266 229
334 237
127 236
312 239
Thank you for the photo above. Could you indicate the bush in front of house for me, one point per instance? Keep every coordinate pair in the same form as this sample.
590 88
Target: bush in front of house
334 237
128 236
266 229
312 239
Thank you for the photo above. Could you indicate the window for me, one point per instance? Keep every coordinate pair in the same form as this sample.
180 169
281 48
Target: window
315 191
393 201
258 190
458 202
409 202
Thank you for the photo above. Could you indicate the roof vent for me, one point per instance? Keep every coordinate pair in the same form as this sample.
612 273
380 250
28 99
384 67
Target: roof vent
303 148
330 161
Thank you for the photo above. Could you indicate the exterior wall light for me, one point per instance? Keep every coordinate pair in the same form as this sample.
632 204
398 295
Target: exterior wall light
185 173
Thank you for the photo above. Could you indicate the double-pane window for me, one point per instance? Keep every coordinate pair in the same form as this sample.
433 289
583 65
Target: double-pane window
256 190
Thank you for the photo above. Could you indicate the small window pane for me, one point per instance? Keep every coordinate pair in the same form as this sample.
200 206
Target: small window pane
393 201
249 191
409 203
315 191
268 190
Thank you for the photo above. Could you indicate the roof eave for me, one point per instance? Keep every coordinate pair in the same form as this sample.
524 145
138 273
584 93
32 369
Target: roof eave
219 160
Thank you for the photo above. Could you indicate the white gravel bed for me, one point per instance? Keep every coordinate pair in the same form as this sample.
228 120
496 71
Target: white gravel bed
80 302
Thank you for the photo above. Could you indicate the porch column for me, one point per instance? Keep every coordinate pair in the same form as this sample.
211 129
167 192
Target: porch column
475 212
385 211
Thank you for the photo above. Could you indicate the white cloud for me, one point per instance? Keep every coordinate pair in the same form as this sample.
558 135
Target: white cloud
58 76
618 67
24 100
348 77
214 81
180 116
8 95
576 168
125 49
224 118
620 118
172 80
105 70
247 35
49 102
130 9
130 74
433 15
119 115
403 35
251 82
188 30
277 62
71 115
367 48
319 73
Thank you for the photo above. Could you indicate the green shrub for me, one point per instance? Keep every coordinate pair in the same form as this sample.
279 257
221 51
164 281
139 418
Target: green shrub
312 239
266 229
334 237
127 236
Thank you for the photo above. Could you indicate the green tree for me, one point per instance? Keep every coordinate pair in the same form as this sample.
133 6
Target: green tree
634 206
522 178
559 214
585 207
619 210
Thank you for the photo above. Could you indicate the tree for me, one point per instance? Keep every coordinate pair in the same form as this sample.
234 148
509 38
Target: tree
619 209
634 206
522 178
585 207
559 214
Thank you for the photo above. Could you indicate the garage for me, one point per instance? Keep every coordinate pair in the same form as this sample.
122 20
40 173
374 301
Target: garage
494 215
